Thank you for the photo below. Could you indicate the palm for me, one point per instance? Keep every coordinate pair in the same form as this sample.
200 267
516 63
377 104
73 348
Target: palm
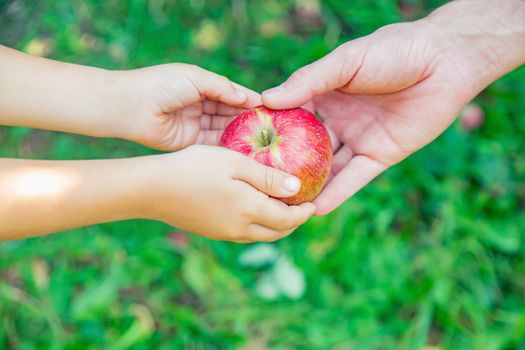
384 128
202 123
178 105
377 131
388 94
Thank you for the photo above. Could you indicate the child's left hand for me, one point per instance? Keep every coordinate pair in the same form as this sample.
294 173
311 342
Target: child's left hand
171 106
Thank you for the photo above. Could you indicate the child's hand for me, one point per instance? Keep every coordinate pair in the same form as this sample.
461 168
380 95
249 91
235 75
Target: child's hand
207 190
167 107
172 106
221 194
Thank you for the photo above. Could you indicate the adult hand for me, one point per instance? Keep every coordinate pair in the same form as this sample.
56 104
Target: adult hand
386 95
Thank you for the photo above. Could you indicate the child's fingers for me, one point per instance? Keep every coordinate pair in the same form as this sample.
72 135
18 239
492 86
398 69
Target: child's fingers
221 109
209 137
254 98
259 233
219 88
266 179
279 216
208 122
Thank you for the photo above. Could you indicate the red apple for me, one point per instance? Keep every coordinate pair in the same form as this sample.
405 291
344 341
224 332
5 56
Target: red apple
291 140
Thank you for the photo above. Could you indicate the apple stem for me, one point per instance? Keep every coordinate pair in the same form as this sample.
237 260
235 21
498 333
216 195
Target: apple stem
266 137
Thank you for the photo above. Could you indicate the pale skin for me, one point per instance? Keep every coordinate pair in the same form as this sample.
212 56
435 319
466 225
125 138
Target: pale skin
386 95
207 190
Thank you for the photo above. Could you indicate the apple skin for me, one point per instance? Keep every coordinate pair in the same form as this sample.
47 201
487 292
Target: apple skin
291 140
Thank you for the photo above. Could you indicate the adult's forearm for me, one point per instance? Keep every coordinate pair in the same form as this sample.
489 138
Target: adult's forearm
42 93
38 197
491 33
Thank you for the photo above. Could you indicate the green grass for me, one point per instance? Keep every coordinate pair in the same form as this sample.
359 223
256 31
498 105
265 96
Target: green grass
430 254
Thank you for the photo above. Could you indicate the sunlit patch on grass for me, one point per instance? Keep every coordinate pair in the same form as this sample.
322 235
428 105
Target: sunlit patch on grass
208 36
39 47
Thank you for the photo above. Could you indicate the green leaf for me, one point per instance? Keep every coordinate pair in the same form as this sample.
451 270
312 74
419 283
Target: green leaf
95 300
141 329
195 273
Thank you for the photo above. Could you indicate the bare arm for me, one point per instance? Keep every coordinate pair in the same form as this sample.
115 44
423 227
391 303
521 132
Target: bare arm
210 191
388 94
42 93
167 107
40 197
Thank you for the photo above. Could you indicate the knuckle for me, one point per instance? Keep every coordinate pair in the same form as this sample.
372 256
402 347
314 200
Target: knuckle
177 65
191 70
278 235
286 233
268 239
389 28
235 234
300 75
270 179
286 223
255 210
191 66
223 80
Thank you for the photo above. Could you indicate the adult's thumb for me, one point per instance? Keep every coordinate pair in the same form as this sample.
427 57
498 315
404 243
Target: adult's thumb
331 72
271 181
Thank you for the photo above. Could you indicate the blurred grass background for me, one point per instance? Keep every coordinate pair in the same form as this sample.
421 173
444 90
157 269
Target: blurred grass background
429 256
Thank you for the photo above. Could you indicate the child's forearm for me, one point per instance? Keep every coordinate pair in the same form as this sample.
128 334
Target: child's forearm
42 93
38 197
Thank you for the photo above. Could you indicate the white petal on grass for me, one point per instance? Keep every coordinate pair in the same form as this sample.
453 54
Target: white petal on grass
288 278
259 255
266 287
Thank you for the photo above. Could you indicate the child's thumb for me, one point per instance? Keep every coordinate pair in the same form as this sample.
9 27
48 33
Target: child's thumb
271 181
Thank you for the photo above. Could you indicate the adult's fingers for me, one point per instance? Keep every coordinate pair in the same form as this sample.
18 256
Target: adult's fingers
354 176
336 143
341 158
331 72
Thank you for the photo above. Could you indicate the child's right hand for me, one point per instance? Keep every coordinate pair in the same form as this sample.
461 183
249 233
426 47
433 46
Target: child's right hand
166 107
223 195
172 106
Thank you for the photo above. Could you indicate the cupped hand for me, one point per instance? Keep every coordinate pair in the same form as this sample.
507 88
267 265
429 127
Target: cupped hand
224 195
172 106
386 95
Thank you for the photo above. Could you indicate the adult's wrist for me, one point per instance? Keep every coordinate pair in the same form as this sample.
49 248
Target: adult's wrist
488 34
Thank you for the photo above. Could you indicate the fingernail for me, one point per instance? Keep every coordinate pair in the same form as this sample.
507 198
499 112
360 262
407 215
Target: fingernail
276 91
241 94
292 184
